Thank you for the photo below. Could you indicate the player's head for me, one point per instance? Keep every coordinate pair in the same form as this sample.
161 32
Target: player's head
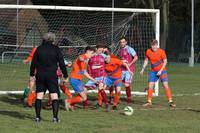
100 48
107 59
154 45
89 51
49 37
123 42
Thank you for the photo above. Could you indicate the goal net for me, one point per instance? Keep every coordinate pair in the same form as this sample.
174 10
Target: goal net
22 28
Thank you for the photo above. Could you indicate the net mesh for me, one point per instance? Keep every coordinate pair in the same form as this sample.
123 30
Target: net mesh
74 31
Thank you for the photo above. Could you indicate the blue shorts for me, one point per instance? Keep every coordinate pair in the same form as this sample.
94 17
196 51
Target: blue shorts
113 81
127 77
77 85
91 84
153 77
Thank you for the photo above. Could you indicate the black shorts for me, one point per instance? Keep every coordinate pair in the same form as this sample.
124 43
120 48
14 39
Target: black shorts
49 83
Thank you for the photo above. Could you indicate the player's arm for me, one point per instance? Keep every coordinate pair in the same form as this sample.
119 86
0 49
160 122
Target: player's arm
133 54
30 57
134 60
144 65
164 58
127 66
89 77
62 64
33 65
163 66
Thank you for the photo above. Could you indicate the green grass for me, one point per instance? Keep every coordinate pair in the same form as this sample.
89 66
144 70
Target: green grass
158 119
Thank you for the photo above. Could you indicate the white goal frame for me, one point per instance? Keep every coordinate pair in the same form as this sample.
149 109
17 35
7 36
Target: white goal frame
73 8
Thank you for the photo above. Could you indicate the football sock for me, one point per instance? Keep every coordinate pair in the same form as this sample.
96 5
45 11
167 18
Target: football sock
55 107
128 93
66 91
100 98
38 106
111 91
105 98
74 100
149 94
168 94
116 99
85 104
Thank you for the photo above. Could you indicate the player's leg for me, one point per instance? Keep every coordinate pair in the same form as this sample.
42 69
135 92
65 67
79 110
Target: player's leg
127 83
89 85
117 84
78 87
40 90
152 79
64 88
164 80
111 90
85 102
52 84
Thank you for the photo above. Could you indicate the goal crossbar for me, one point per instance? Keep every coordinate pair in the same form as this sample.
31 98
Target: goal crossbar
78 8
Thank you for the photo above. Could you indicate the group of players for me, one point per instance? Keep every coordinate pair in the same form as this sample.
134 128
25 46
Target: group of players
106 71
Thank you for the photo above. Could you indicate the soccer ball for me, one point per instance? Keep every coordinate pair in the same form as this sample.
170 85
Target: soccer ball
128 110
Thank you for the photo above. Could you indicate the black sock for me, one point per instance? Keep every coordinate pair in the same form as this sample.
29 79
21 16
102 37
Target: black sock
55 106
38 103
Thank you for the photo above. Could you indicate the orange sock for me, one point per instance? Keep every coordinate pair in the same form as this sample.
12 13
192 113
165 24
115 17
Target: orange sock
111 93
116 99
75 100
100 98
31 98
168 94
66 91
149 95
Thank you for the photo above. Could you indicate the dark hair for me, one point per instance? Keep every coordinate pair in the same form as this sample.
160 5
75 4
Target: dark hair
123 37
100 45
109 49
89 48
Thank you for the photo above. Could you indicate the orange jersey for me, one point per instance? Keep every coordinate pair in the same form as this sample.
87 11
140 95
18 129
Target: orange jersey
30 57
113 69
79 67
113 56
156 58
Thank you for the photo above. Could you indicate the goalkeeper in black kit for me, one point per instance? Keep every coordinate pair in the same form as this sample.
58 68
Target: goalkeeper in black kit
46 60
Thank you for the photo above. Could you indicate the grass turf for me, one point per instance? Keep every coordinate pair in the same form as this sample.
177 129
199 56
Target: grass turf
158 119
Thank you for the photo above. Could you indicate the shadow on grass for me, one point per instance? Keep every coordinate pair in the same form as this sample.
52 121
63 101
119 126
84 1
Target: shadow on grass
16 114
12 99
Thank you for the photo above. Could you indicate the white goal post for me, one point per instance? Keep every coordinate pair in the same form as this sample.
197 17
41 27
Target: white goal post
146 22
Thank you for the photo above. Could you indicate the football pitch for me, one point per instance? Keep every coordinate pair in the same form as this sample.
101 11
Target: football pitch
185 118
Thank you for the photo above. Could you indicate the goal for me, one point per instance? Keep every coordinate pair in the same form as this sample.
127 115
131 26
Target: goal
22 28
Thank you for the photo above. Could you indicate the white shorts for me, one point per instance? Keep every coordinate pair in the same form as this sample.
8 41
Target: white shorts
92 85
127 77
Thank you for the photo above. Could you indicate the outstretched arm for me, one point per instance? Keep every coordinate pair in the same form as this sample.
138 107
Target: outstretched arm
144 66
